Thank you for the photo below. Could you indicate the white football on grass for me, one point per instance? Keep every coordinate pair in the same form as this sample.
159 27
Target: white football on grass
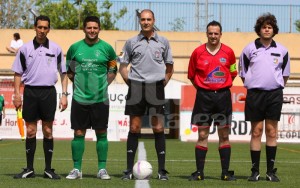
142 170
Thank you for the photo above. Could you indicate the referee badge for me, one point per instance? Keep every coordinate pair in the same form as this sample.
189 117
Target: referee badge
275 61
49 60
157 54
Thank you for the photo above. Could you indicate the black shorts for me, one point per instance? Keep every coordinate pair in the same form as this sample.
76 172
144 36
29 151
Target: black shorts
39 103
145 98
261 105
212 106
0 119
93 116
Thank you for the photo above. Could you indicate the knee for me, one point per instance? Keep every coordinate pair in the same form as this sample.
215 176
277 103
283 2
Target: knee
135 129
224 139
158 129
202 136
30 132
271 134
47 133
256 133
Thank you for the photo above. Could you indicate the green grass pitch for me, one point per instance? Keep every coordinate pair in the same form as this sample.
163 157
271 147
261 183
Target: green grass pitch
180 163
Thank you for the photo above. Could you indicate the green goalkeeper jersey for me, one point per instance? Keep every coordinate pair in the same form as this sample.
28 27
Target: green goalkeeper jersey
90 65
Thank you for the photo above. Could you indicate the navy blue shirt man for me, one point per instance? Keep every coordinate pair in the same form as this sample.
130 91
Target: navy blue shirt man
264 68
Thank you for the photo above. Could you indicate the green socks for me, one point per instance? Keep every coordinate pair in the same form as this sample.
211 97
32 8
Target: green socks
77 151
102 148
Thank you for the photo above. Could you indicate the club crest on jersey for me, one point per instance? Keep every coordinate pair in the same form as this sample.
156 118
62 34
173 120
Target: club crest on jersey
97 53
275 61
222 60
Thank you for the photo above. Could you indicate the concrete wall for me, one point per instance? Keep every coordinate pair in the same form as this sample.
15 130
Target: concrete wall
182 44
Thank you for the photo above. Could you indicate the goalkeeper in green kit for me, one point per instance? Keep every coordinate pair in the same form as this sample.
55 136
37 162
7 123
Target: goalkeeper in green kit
91 65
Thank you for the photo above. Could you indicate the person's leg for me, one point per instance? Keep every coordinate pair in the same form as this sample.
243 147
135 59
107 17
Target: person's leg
225 153
273 114
224 148
30 114
201 147
30 143
200 153
46 102
160 141
255 111
255 143
101 148
47 143
132 140
48 149
30 146
271 148
78 146
135 108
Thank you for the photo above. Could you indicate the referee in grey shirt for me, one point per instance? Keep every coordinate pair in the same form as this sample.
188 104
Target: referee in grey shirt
151 68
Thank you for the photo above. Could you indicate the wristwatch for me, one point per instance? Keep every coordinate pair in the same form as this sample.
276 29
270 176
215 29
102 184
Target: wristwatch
65 93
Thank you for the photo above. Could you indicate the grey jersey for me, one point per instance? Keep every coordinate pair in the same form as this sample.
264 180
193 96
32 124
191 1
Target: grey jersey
147 57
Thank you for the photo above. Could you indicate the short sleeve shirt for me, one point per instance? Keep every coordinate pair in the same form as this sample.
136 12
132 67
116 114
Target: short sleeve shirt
16 44
91 64
264 67
212 72
147 57
39 64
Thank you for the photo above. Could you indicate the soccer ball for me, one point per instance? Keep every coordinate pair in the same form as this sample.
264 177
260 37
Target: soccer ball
142 170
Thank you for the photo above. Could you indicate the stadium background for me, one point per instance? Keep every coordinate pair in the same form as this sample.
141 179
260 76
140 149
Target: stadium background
182 43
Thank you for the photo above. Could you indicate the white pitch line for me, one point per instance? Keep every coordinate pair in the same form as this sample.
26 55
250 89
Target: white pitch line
142 155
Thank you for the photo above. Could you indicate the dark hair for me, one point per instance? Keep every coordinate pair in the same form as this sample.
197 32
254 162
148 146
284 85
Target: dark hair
214 23
43 18
91 19
17 36
264 19
148 10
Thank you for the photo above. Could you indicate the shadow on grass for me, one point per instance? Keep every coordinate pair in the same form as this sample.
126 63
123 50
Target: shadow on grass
206 177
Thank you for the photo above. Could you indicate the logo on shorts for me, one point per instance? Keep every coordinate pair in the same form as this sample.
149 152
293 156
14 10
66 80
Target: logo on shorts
215 76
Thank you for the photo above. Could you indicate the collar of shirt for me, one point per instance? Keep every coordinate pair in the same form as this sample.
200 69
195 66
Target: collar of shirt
154 37
258 44
36 44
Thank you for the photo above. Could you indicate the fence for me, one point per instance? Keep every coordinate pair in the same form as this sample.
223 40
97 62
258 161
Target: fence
194 15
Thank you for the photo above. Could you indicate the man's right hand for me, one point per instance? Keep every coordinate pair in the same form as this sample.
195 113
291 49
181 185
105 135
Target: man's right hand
17 101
